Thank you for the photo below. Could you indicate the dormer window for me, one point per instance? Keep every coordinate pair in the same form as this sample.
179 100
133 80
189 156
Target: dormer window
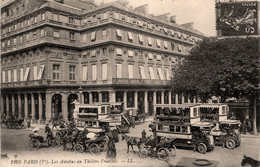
55 16
71 20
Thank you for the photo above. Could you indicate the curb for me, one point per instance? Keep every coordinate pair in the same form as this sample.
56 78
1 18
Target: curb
250 136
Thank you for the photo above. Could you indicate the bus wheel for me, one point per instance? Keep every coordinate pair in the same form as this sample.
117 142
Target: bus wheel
202 148
230 144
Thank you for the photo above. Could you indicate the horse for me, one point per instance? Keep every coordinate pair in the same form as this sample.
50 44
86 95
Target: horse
250 161
131 141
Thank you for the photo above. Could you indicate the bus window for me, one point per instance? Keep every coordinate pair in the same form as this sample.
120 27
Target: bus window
194 112
178 129
184 129
171 128
159 127
223 110
103 110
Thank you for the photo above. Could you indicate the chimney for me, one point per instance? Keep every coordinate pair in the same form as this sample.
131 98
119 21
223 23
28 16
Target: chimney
173 19
164 17
143 8
188 25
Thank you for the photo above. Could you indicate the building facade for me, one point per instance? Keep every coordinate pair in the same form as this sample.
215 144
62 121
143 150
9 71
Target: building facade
54 53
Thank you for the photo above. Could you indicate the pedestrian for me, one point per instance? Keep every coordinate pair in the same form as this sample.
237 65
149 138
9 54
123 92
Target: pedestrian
144 115
243 128
111 147
249 125
143 134
48 132
29 124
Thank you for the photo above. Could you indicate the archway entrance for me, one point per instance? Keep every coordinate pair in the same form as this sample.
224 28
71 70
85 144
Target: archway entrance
71 106
56 109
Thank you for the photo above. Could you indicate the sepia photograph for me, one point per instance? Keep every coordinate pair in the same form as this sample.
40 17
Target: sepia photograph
130 83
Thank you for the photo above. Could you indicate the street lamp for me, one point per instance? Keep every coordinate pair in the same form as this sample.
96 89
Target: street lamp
80 95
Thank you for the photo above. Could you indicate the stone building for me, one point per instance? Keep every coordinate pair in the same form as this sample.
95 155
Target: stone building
55 52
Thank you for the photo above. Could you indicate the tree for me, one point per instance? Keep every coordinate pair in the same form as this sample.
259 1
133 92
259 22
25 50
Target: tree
221 67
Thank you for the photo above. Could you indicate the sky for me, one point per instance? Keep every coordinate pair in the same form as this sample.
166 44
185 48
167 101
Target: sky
200 12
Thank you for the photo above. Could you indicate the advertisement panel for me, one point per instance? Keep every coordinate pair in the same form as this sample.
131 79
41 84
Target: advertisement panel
237 18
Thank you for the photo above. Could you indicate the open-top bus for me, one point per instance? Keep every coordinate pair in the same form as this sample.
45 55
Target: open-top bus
182 122
226 131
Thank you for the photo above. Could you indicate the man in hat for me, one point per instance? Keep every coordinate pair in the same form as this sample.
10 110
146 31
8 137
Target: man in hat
48 132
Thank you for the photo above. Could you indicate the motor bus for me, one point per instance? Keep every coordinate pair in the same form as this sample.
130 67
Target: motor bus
182 122
225 131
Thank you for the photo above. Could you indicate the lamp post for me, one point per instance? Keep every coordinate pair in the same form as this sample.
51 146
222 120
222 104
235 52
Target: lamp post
80 95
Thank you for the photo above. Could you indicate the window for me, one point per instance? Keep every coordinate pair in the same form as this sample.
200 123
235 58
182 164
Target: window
165 45
72 73
56 72
171 128
158 42
72 35
195 112
141 69
117 15
178 128
223 109
28 37
172 46
104 71
21 39
118 52
3 77
34 35
71 20
42 32
21 25
130 71
141 41
9 76
56 34
93 36
119 70
85 73
160 73
150 56
14 41
55 16
167 74
35 19
84 38
130 53
118 34
15 27
25 77
130 36
151 73
94 72
28 22
15 75
150 41
104 32
8 43
42 16
158 57
3 44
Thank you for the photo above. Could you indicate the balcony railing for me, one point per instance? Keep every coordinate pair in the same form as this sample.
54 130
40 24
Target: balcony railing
127 81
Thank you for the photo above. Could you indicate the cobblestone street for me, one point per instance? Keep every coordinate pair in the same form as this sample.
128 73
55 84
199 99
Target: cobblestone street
14 142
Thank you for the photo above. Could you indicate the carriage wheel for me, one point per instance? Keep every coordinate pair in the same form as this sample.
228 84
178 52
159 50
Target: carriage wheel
56 143
94 149
103 146
69 146
230 144
163 154
49 142
202 148
143 152
173 151
78 148
34 144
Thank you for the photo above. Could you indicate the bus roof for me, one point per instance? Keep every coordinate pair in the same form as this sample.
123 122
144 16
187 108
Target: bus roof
186 105
90 105
108 103
212 105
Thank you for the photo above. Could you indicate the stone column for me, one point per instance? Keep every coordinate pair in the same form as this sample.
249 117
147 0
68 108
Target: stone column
176 99
170 97
162 97
99 97
26 106
40 108
247 113
48 107
13 105
154 103
90 98
136 99
7 106
146 102
33 108
65 107
125 99
112 96
189 98
19 106
2 104
182 99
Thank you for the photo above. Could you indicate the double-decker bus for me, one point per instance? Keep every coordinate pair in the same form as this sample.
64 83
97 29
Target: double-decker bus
182 122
